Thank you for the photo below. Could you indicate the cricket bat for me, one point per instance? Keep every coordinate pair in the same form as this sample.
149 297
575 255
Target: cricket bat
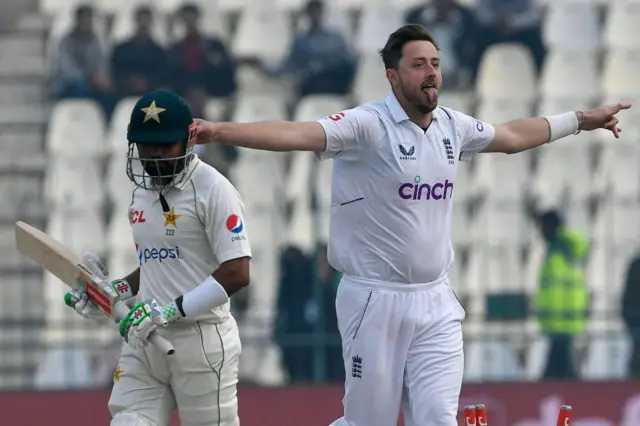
61 262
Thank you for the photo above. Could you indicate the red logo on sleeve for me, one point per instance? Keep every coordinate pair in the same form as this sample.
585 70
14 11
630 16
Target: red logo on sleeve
337 117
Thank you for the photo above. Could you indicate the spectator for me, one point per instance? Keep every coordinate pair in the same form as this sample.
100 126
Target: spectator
80 63
453 25
631 314
320 59
510 21
563 297
306 314
293 292
139 64
201 60
328 279
220 156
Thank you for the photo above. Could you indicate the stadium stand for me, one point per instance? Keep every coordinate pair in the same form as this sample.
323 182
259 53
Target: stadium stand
63 169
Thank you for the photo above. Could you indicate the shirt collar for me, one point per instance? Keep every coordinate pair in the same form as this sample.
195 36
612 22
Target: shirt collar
192 166
398 113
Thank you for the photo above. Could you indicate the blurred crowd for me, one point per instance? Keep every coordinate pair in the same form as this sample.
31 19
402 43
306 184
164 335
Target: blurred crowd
320 58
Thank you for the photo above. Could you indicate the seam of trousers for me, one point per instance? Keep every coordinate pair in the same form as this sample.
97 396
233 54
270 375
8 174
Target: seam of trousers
364 311
217 373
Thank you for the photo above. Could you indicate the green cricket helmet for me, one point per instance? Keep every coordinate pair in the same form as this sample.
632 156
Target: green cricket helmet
161 117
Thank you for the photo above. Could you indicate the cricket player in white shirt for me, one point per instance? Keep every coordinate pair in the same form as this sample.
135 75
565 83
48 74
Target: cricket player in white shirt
193 249
394 176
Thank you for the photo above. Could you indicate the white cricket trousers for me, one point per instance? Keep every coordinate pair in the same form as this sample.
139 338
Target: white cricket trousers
402 349
199 379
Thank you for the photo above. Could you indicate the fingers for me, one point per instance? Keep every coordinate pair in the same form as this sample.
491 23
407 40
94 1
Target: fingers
612 125
138 335
95 265
85 307
614 129
200 132
618 107
204 131
613 121
80 301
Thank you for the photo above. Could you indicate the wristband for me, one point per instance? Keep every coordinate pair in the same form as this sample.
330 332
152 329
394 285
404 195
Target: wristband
562 125
203 298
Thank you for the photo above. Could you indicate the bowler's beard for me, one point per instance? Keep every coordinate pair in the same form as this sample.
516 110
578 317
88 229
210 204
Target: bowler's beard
418 99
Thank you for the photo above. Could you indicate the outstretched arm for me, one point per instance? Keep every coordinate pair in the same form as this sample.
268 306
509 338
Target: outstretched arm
522 135
265 135
351 129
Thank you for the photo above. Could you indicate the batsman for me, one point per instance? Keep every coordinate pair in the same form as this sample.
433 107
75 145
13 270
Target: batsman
194 253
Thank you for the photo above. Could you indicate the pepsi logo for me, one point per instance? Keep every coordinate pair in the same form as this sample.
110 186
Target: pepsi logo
234 224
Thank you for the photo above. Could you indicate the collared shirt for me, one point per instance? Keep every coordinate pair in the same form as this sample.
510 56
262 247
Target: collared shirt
392 189
179 249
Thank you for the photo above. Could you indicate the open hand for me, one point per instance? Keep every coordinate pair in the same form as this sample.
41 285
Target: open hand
604 117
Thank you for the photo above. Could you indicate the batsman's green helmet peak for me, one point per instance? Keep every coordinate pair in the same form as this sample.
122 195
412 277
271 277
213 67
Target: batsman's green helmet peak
161 116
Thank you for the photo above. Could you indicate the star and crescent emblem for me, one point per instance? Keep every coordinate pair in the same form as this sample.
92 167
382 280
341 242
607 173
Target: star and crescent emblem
152 112
117 374
171 218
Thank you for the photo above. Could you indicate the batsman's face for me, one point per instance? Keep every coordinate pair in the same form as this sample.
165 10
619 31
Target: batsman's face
418 77
159 151
160 159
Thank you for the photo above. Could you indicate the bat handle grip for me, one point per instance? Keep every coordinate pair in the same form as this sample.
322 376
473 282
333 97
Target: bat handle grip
163 345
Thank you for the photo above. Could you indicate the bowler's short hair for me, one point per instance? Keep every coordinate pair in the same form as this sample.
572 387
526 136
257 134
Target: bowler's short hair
391 53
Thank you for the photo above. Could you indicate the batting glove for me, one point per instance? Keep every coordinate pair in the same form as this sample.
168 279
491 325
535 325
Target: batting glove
78 298
144 319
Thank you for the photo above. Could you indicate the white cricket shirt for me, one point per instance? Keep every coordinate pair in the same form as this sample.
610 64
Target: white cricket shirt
392 189
178 249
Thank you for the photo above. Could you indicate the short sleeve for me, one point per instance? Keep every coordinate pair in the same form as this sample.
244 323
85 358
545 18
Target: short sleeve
476 136
225 223
353 129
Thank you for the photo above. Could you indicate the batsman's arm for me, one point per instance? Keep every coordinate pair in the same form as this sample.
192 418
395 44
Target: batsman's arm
220 205
134 281
216 289
233 275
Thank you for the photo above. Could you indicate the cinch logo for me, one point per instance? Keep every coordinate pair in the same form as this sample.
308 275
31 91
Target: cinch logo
160 255
425 191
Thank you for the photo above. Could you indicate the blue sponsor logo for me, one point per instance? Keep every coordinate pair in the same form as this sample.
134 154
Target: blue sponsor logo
158 254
